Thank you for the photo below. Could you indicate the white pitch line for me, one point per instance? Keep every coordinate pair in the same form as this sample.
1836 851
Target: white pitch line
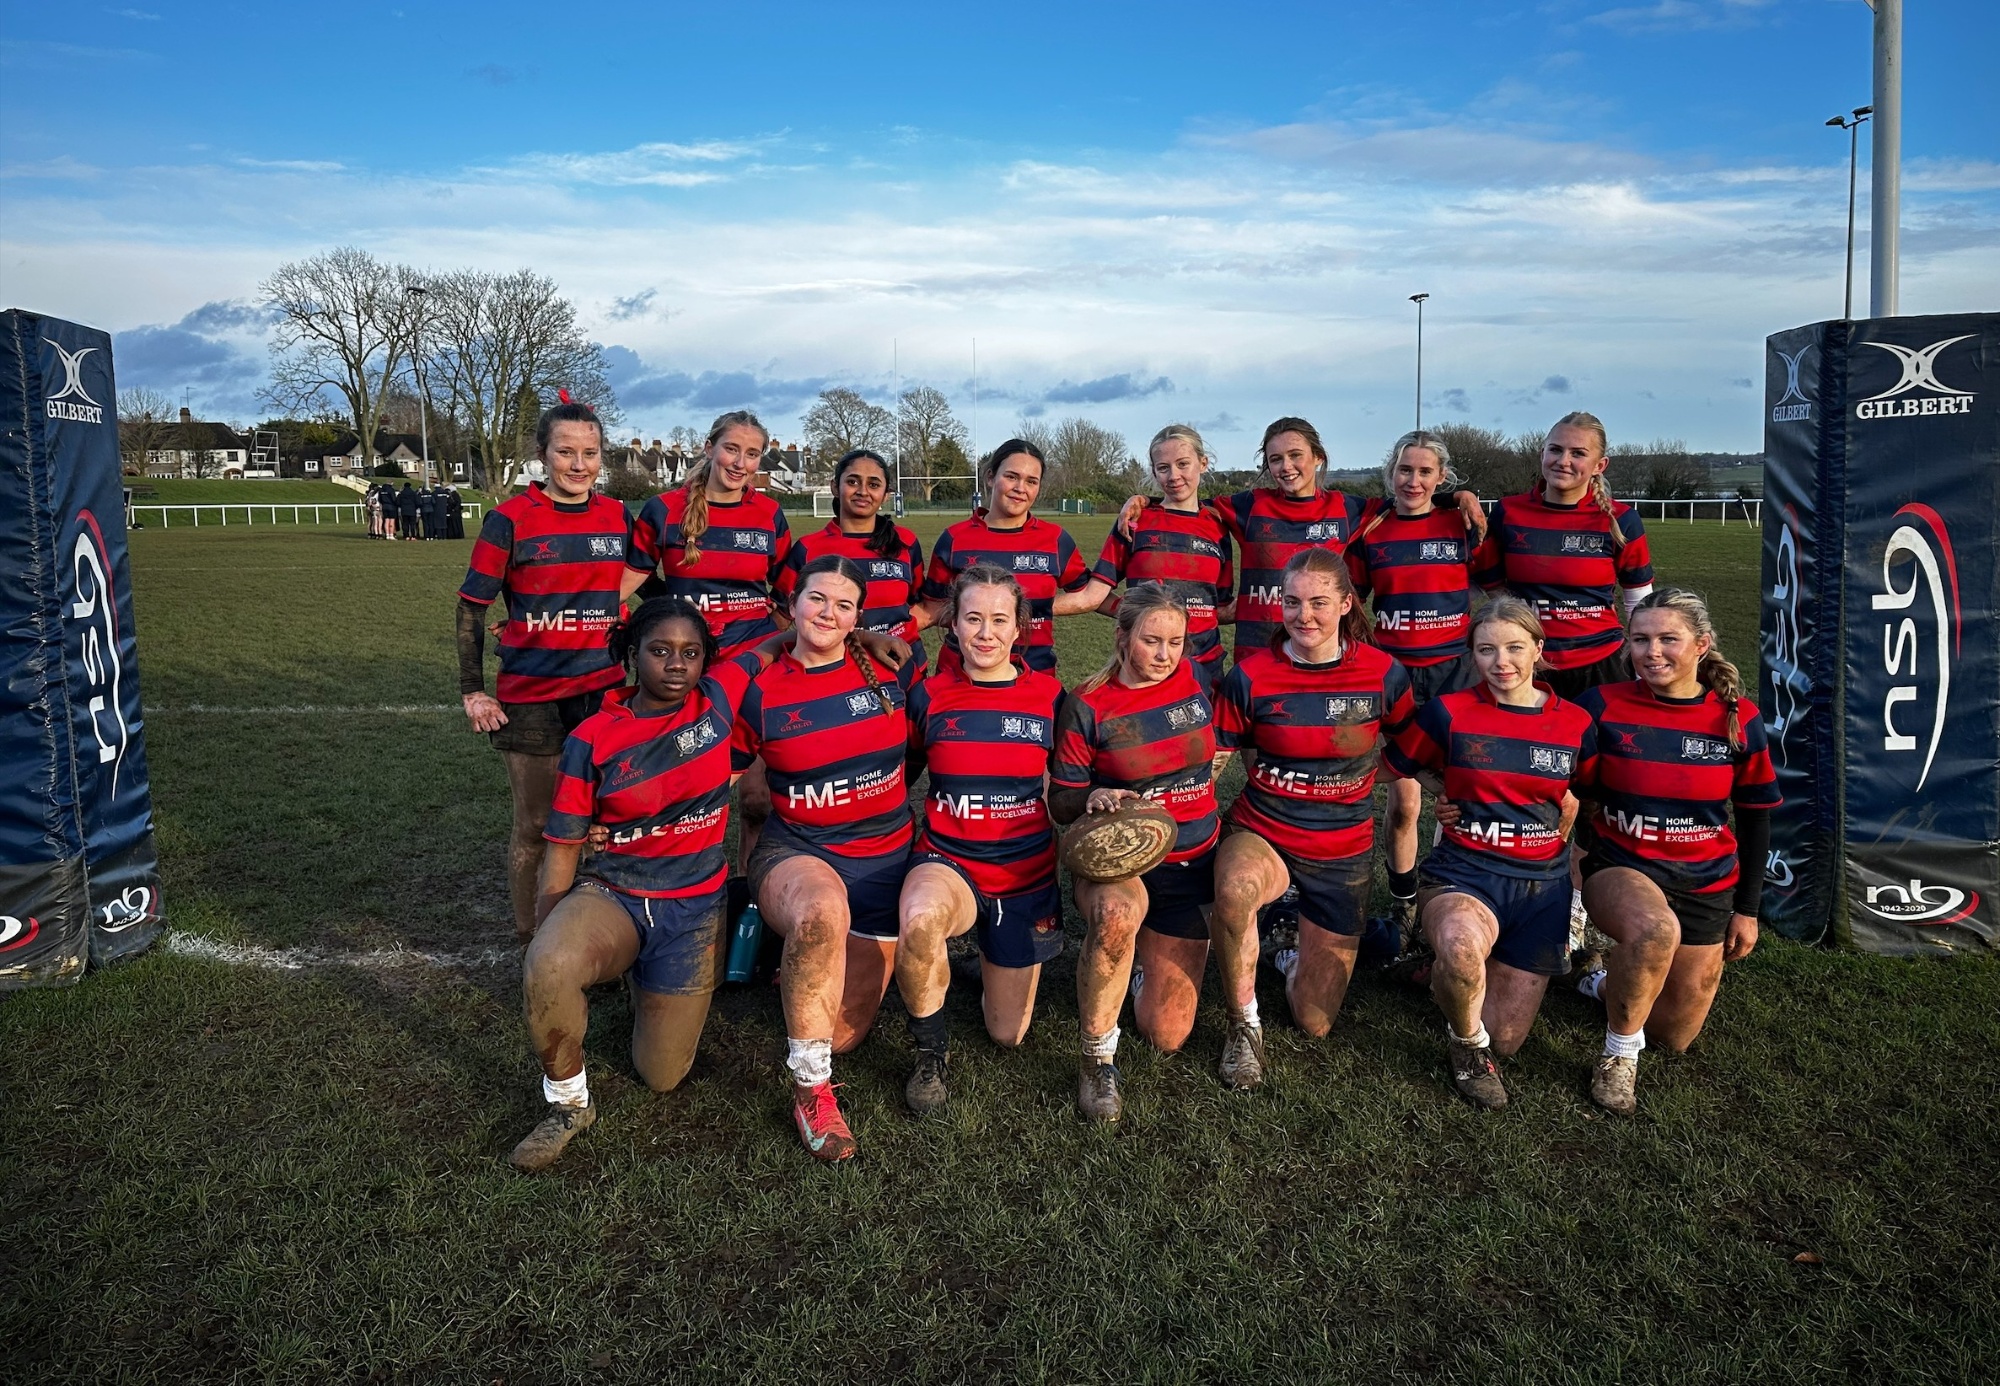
303 709
298 959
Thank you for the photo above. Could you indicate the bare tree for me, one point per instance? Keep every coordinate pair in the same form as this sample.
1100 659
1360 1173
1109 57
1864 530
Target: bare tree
195 441
933 441
842 420
1488 462
143 419
345 323
1087 462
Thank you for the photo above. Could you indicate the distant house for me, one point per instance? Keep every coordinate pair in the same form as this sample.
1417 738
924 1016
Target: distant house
195 448
344 456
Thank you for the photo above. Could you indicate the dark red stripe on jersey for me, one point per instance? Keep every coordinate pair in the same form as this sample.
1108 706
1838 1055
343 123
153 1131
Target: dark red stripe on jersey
1158 741
987 746
1561 560
554 565
1666 776
1188 554
834 759
740 556
1419 570
1507 769
1314 729
895 581
1041 556
1269 527
659 783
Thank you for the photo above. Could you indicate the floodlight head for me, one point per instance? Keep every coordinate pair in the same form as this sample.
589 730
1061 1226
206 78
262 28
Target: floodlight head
1864 110
1418 298
1841 121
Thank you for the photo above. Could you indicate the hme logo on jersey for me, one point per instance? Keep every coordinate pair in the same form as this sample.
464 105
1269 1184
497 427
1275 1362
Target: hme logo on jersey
1903 400
831 794
1918 650
72 401
1640 827
567 621
1792 406
1918 903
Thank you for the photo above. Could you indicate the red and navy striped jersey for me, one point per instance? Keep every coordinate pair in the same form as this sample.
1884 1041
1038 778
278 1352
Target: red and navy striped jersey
1560 558
1419 569
742 551
555 564
660 783
1314 731
1666 776
1189 555
1269 527
894 582
1157 741
1041 556
834 759
988 747
1507 769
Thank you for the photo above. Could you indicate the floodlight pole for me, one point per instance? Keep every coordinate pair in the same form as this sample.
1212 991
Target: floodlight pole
1853 129
896 385
417 364
1418 299
975 423
1886 165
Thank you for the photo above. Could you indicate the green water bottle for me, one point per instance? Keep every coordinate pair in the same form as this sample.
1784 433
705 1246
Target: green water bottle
744 940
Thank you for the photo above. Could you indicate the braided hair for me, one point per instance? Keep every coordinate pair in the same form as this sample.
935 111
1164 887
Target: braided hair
884 541
629 635
1137 604
1356 628
846 571
1715 672
1600 489
694 523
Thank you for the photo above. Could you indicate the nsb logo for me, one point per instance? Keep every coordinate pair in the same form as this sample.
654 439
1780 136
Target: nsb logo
1918 903
1919 648
96 609
1789 683
16 932
134 903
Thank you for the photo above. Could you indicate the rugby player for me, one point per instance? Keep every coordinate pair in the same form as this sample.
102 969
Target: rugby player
889 554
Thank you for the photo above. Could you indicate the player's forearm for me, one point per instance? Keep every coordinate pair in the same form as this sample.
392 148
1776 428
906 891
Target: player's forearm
471 647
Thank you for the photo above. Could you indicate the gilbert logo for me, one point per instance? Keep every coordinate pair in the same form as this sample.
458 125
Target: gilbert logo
1919 373
72 401
1935 575
1918 903
1793 404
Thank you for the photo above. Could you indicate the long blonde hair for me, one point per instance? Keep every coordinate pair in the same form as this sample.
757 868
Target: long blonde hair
1134 606
1415 438
1715 672
1600 489
1187 434
694 522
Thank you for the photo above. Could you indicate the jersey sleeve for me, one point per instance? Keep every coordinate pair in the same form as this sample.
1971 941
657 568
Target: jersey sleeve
1111 561
1071 574
937 578
1076 745
1357 567
781 543
915 557
1756 784
1489 561
746 738
787 580
491 553
642 544
575 802
1233 708
1230 511
1226 574
1584 778
730 679
1399 704
1421 744
1635 559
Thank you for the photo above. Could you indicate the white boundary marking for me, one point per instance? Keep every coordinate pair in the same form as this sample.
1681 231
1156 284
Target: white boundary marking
299 959
303 710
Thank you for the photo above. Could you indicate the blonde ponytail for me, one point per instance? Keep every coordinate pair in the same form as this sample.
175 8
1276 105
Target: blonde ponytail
1600 491
1715 672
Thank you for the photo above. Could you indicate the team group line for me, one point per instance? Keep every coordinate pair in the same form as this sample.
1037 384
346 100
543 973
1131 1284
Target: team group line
1518 665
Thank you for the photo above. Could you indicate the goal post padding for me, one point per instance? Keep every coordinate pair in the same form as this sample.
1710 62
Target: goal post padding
1880 667
79 878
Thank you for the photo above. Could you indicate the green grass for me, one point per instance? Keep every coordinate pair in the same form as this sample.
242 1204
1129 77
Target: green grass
168 492
219 1173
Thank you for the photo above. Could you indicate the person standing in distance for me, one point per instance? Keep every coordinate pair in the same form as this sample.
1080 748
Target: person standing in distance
556 553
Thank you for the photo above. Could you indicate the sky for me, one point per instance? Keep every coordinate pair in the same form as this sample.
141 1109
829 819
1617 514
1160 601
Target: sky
1140 213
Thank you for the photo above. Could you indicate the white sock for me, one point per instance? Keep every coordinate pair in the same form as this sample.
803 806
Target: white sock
811 1061
1619 1046
567 1092
1286 960
1250 1015
1103 1048
1591 984
1138 982
1482 1040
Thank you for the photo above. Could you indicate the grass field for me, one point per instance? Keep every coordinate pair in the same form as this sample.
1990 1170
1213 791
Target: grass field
239 1170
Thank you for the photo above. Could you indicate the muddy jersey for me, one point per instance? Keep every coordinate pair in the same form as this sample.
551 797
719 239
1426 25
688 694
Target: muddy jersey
988 746
1041 556
1666 776
1419 570
1561 559
1188 554
554 564
1158 741
895 580
739 557
1268 527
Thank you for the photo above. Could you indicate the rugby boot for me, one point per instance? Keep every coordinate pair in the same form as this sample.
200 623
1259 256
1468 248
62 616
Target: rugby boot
1476 1076
821 1126
1614 1084
925 1092
539 1148
1097 1095
1242 1066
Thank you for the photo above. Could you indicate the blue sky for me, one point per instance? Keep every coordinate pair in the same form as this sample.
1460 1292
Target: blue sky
1144 213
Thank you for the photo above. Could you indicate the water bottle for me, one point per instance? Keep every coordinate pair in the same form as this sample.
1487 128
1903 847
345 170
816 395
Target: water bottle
744 941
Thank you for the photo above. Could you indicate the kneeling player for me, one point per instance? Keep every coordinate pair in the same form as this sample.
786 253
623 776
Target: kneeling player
1307 716
1494 895
986 857
1664 875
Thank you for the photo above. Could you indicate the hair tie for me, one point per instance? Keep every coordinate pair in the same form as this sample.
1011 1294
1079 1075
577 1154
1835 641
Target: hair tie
563 396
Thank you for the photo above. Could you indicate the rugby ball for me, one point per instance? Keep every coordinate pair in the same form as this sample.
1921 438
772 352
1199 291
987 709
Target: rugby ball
1117 845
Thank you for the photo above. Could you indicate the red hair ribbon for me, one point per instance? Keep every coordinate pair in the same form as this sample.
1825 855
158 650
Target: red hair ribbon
563 395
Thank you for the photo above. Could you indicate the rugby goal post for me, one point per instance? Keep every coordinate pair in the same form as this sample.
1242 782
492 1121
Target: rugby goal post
823 503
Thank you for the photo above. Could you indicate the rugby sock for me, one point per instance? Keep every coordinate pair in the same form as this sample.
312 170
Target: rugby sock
1482 1040
1617 1046
1403 884
567 1092
1103 1048
1250 1015
1591 984
927 1031
1286 960
1138 982
811 1061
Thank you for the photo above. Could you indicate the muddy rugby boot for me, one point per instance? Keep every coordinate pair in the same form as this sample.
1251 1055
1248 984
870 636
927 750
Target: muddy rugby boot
1097 1095
821 1126
1614 1083
1242 1066
1476 1076
925 1092
539 1148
